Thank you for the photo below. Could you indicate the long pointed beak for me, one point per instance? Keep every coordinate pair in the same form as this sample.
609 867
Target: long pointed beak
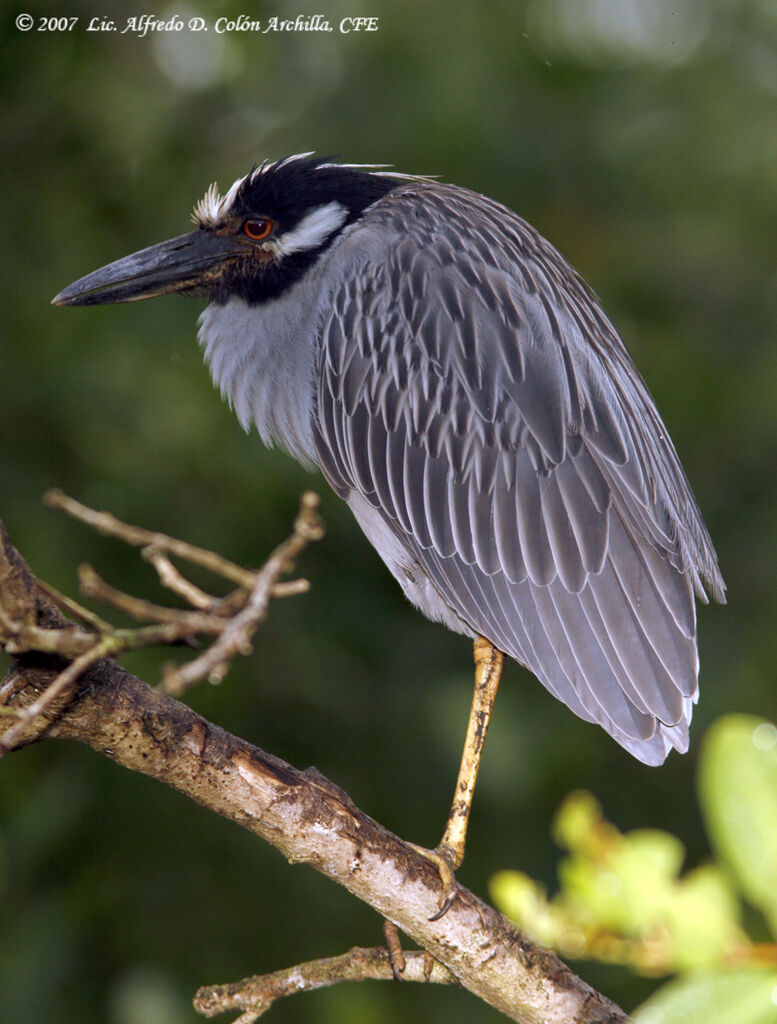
190 261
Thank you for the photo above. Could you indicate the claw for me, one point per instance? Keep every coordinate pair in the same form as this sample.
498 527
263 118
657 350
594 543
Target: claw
394 949
443 859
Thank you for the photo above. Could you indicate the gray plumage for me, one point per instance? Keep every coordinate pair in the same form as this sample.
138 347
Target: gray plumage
474 396
460 387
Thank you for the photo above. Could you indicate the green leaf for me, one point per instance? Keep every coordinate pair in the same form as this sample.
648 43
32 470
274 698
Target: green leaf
722 997
738 795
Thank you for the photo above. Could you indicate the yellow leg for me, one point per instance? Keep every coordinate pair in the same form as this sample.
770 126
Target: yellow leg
449 855
488 671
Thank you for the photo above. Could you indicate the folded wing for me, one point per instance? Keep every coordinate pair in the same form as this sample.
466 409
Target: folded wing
473 393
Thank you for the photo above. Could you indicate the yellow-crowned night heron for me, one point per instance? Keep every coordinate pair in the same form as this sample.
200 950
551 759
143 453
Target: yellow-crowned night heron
461 389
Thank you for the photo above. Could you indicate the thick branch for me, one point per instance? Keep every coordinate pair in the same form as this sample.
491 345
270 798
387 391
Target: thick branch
302 814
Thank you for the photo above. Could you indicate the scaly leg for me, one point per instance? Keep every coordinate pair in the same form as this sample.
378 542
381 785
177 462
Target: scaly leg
447 857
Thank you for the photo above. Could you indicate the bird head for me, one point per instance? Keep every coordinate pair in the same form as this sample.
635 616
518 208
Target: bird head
253 242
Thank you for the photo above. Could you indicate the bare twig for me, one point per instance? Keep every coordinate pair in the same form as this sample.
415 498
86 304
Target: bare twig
188 623
254 996
171 578
290 588
109 525
67 604
232 619
236 635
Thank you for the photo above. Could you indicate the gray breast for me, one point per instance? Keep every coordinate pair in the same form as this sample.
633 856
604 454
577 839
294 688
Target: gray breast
263 358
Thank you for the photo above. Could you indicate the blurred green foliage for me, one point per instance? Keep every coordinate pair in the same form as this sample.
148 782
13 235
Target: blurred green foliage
622 899
638 135
738 792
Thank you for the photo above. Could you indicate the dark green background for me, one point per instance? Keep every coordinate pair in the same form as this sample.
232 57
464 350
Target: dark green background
640 136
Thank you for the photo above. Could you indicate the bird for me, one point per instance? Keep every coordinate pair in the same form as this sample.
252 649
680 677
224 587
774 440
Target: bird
460 387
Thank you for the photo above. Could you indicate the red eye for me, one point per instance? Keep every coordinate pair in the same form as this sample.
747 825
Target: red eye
258 229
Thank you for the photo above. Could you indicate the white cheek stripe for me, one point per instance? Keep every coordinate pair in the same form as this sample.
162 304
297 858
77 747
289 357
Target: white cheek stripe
313 229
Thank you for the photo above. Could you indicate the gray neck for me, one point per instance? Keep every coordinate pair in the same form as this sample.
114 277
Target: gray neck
263 360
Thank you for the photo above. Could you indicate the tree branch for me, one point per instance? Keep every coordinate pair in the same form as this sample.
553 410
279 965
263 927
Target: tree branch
309 819
254 996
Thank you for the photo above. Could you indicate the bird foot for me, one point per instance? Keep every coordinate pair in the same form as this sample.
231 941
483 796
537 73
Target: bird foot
445 860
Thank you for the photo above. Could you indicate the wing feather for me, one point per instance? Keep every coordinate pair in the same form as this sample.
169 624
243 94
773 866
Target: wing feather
532 536
396 444
458 511
565 551
589 527
505 534
377 447
480 515
413 487
357 426
435 487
